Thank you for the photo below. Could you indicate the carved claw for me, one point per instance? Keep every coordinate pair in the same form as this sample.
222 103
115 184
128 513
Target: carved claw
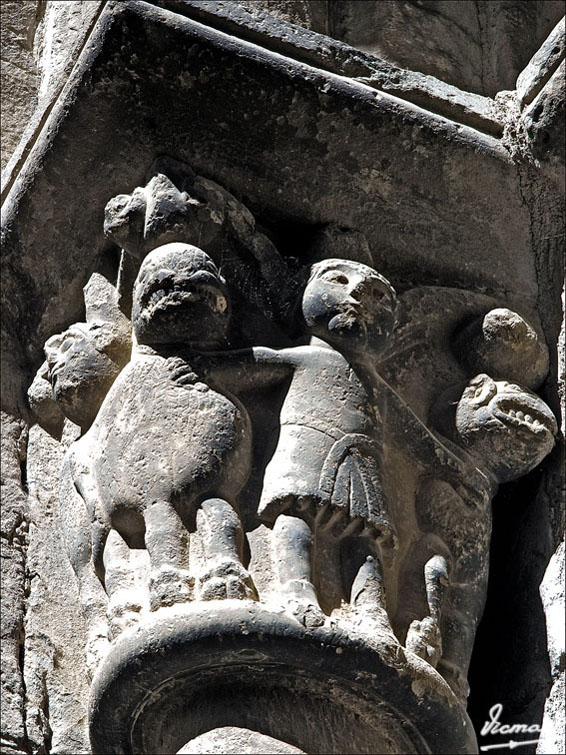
227 580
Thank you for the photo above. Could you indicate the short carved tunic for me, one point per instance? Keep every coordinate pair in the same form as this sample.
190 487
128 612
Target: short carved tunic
327 451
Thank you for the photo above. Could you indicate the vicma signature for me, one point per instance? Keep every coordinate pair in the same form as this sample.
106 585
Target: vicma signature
494 727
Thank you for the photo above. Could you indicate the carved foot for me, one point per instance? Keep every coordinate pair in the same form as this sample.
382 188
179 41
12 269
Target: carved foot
123 612
424 639
303 603
168 586
227 579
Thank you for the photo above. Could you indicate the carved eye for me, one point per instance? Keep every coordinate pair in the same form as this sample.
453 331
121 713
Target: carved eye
485 391
66 343
333 276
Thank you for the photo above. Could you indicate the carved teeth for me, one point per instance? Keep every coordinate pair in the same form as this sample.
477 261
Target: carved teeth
528 418
520 415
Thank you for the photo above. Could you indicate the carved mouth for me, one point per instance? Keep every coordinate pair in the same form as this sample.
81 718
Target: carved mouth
175 294
526 413
58 367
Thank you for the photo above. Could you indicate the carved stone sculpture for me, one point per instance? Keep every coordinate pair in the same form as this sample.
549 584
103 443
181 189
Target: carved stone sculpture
366 514
163 445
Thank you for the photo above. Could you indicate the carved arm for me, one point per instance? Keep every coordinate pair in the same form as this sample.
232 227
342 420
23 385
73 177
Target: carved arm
242 369
473 485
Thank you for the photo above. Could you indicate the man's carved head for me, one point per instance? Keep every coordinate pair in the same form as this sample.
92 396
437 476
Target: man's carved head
180 297
349 305
506 427
83 362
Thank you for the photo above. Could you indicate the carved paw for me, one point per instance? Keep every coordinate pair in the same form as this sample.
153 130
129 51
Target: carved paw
168 586
225 580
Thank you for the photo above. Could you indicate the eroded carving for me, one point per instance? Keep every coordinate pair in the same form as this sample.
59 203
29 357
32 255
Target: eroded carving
377 505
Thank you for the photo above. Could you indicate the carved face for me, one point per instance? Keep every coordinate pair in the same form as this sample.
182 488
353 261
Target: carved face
180 297
506 426
80 372
349 305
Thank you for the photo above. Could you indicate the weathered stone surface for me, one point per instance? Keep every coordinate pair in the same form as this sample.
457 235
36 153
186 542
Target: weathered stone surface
542 65
14 527
355 125
260 655
20 78
478 214
479 47
552 738
54 669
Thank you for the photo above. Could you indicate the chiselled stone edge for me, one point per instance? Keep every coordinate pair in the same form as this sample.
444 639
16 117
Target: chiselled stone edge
45 122
337 57
175 645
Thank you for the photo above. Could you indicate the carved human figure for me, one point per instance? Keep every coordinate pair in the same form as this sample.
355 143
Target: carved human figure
326 473
326 469
161 447
507 430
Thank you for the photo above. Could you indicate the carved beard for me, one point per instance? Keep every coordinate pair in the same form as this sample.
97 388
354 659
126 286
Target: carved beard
196 316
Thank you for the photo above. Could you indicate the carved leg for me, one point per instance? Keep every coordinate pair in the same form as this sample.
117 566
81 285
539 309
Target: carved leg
224 575
291 543
368 600
82 539
424 637
167 542
94 602
125 603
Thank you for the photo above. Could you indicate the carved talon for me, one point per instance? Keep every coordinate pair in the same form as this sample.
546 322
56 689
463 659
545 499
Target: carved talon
169 586
227 580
